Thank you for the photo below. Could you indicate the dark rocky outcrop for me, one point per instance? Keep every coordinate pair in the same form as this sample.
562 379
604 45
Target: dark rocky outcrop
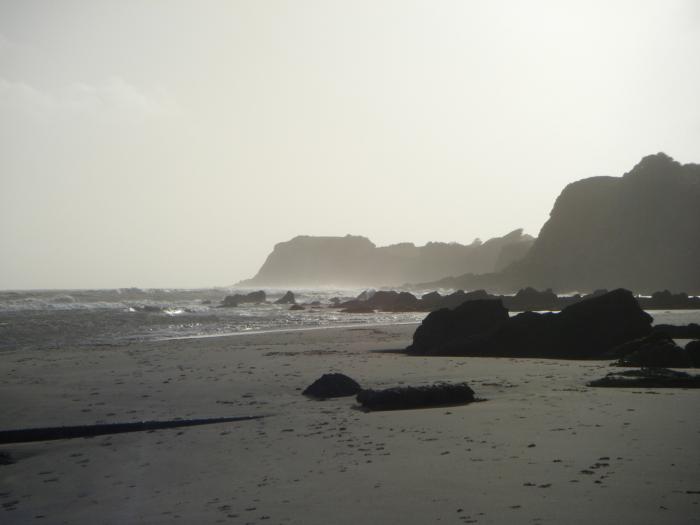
332 385
449 332
387 301
688 331
398 398
356 261
640 231
693 351
296 307
585 330
648 378
252 297
531 299
656 350
287 298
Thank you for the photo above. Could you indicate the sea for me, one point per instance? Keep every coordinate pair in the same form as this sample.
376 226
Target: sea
54 319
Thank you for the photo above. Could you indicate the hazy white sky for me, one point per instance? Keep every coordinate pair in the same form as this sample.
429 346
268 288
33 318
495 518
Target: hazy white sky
172 143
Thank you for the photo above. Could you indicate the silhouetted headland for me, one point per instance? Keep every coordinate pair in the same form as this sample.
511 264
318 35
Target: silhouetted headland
307 261
640 231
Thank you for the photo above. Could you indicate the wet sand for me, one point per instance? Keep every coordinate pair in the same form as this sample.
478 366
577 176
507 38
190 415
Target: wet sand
543 448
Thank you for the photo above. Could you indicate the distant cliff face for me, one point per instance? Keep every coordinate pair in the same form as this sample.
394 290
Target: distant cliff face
640 231
355 261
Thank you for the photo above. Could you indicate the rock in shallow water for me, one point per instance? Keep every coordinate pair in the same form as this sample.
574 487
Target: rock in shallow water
407 397
287 298
332 385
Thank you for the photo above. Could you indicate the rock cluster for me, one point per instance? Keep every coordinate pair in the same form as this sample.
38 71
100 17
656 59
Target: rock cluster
585 330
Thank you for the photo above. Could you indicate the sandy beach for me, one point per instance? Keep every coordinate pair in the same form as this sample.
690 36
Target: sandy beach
541 448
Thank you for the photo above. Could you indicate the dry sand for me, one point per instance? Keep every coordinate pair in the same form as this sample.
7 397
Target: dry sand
542 449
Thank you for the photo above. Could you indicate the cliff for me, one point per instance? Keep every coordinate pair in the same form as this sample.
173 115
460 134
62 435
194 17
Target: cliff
640 231
356 261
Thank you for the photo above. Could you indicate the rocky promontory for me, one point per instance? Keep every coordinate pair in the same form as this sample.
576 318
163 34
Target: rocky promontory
307 261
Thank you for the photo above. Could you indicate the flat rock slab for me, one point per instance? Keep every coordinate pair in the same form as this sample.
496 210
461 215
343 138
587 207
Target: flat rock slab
398 398
648 378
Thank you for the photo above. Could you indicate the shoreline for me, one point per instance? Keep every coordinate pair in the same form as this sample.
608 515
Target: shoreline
284 330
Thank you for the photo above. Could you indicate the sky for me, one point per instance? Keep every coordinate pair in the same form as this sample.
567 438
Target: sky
173 143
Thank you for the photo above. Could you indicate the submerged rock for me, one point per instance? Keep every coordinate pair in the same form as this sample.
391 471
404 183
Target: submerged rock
648 378
655 350
332 385
398 398
297 307
287 298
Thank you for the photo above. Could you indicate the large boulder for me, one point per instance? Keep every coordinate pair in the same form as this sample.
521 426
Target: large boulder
693 351
653 351
397 398
332 385
446 332
236 299
584 330
287 298
592 327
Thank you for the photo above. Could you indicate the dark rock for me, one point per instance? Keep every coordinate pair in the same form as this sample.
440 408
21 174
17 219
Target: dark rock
252 297
689 331
585 330
431 301
393 301
655 350
398 398
287 298
639 231
295 307
445 331
386 301
666 299
648 378
531 299
332 385
693 351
